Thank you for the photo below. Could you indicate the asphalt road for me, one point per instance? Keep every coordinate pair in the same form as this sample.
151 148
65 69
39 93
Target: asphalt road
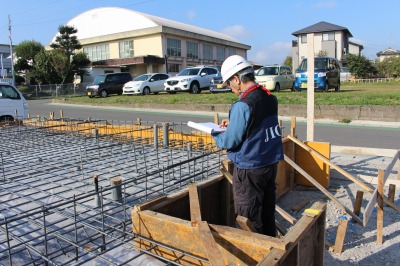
369 136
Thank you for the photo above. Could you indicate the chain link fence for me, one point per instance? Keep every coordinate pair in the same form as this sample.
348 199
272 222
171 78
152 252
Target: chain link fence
53 90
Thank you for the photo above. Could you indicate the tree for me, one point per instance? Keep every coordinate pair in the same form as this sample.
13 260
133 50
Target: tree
26 52
65 44
288 61
79 61
384 66
322 53
359 65
389 67
43 71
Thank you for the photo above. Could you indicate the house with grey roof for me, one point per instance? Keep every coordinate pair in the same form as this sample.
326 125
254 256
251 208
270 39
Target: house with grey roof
389 52
331 39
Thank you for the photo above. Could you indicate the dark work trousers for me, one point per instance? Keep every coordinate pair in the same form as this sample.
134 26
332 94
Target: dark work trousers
254 196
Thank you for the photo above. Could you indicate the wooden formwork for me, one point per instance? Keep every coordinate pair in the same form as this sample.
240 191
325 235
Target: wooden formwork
169 220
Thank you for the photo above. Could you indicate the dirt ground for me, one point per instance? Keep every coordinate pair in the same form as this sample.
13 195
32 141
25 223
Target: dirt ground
360 245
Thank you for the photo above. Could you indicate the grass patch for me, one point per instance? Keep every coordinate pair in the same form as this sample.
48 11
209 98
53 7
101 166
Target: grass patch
387 93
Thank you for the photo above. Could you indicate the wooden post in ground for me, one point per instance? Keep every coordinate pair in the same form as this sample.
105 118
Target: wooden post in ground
357 204
340 235
379 230
392 190
281 127
62 115
216 118
293 126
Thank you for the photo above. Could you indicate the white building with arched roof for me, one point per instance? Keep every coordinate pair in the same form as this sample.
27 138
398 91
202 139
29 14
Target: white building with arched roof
118 39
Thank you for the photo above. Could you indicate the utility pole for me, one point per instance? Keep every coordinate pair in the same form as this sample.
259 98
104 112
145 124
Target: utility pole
11 52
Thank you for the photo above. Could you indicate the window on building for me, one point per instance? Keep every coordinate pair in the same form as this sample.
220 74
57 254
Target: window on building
303 38
173 47
231 51
221 53
207 52
192 50
328 36
173 68
97 52
126 49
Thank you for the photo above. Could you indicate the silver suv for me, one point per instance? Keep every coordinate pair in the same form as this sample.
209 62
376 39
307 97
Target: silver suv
192 79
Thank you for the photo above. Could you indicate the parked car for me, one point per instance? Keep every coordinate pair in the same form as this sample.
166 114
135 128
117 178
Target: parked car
345 75
106 84
13 105
192 79
216 85
326 74
146 84
275 77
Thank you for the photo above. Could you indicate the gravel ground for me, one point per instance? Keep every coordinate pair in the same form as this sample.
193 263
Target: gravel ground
360 246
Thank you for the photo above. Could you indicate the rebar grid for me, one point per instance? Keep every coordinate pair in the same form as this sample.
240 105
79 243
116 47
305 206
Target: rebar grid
52 209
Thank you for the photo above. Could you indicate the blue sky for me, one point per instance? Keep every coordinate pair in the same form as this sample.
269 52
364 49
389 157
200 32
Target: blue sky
265 25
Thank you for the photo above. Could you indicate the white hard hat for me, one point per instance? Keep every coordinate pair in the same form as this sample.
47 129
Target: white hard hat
233 65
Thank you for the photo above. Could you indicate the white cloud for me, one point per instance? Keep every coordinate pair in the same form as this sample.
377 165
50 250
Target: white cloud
271 54
191 14
237 31
325 5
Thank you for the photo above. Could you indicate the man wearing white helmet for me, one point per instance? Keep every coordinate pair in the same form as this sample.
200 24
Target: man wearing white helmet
254 144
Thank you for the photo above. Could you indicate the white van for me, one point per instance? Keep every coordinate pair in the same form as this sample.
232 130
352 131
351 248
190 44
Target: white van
12 103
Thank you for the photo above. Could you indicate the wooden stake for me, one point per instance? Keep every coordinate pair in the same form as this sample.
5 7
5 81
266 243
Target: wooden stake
379 199
357 204
216 118
340 235
392 190
293 126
